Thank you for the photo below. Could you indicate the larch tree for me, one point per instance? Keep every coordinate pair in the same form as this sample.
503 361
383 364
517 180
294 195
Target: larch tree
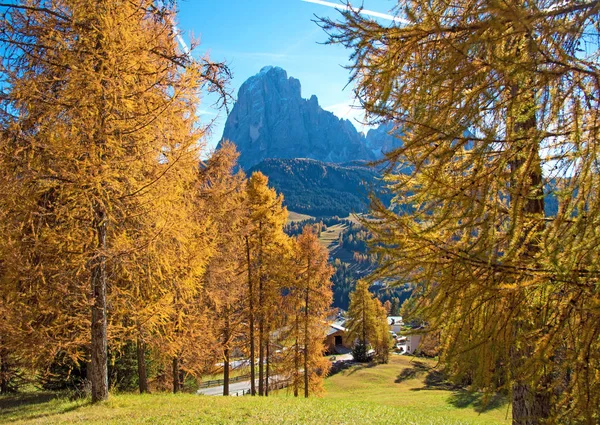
314 288
367 324
223 196
275 298
496 206
97 130
264 242
290 336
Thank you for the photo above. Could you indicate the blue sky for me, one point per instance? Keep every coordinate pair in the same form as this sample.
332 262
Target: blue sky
248 35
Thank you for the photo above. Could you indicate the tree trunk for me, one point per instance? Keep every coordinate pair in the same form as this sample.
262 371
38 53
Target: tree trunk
531 406
226 372
364 323
297 357
261 329
4 372
226 354
306 336
176 377
99 367
261 359
251 321
267 366
141 364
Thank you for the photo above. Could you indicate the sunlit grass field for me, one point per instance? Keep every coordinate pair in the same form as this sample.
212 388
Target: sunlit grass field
402 392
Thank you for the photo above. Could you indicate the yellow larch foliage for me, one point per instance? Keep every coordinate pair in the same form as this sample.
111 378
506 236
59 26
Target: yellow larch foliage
98 162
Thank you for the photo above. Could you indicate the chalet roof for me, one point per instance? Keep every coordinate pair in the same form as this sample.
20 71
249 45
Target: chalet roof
334 327
397 319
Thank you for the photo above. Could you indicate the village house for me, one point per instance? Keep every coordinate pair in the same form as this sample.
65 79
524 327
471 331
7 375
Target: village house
409 344
395 323
337 340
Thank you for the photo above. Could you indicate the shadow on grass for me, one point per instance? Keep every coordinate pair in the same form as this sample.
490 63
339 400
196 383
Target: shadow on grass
26 406
413 372
434 379
361 366
460 398
480 402
20 400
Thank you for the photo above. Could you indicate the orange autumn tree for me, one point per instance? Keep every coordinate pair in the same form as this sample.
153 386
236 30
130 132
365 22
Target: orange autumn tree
223 201
314 297
98 131
265 241
367 324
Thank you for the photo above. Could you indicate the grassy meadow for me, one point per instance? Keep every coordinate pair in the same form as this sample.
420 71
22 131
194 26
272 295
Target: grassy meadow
405 391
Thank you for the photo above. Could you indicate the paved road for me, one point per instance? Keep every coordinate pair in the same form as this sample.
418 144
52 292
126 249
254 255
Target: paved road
236 387
233 388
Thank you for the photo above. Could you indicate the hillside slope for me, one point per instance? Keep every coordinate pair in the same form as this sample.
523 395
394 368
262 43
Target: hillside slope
406 391
323 189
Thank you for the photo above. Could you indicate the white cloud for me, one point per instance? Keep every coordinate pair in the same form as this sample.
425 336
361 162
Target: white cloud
350 111
363 12
207 112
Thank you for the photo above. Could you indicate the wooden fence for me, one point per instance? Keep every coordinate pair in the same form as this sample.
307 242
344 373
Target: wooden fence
219 382
279 385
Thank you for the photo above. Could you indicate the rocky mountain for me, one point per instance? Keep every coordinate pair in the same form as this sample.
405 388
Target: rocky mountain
323 189
382 139
271 120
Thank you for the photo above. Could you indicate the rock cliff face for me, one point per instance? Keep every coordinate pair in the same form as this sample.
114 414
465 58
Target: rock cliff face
383 139
271 120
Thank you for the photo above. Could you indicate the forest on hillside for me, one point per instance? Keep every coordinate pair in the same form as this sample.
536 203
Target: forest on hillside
324 189
352 260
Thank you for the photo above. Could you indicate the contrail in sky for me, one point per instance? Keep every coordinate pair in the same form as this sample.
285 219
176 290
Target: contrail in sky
181 41
178 36
363 12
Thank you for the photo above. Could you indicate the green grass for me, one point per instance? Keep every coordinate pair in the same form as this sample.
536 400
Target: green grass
294 216
329 238
354 218
402 392
411 386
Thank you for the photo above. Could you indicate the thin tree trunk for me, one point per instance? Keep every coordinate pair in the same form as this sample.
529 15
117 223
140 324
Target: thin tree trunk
4 372
226 337
306 336
176 377
261 329
297 356
251 321
226 372
141 363
261 357
99 367
267 366
364 323
88 363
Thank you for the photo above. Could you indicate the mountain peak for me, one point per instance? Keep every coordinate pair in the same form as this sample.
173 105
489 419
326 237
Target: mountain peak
271 120
271 78
271 68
